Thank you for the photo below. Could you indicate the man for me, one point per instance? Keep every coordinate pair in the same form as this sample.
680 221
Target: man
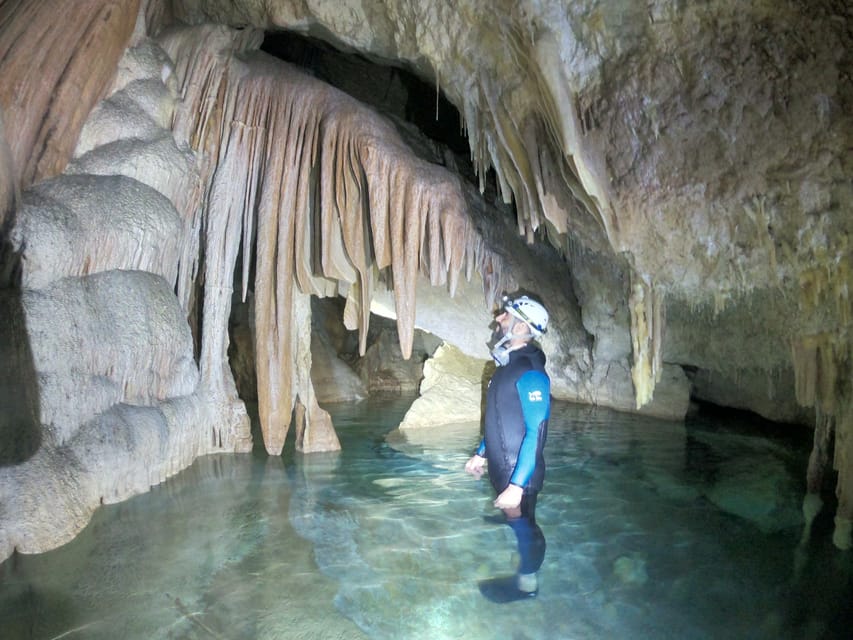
518 403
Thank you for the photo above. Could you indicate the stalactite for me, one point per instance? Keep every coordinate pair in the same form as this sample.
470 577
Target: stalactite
518 172
645 304
818 462
331 196
829 284
822 365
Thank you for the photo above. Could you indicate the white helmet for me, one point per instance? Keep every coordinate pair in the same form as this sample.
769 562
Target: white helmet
529 311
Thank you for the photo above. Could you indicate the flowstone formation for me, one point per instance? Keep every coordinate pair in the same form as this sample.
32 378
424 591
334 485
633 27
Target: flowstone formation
671 178
114 400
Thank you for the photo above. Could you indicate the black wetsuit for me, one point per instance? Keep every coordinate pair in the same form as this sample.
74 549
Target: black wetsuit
518 404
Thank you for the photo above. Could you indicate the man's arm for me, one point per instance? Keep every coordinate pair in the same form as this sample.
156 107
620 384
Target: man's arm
476 464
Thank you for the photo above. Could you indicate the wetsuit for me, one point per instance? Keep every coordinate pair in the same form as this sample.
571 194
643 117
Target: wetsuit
518 404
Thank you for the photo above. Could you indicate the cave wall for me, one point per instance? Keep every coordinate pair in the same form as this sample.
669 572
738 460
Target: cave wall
93 257
672 179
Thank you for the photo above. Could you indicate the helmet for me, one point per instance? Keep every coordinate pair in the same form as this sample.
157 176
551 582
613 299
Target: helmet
529 311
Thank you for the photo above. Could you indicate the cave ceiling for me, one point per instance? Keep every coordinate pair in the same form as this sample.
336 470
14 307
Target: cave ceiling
704 147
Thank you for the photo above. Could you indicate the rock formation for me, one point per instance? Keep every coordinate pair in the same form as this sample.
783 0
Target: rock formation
451 391
673 180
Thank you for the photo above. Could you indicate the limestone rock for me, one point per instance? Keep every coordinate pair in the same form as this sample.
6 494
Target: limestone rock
767 393
114 401
451 391
612 387
334 352
383 367
20 425
157 162
121 452
334 380
79 225
43 118
130 339
759 492
141 103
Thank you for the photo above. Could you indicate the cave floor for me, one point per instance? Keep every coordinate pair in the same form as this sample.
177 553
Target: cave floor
654 530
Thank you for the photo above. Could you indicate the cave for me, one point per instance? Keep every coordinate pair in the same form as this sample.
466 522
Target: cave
226 228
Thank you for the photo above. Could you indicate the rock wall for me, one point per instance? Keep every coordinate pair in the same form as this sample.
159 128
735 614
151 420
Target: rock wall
678 175
75 59
114 400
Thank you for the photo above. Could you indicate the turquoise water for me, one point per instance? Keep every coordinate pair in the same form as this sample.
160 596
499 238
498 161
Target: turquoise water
654 530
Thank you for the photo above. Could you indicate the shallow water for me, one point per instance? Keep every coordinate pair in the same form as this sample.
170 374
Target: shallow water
654 530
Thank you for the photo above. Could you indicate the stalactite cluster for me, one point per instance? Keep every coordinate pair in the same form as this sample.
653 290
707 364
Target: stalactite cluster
325 195
525 152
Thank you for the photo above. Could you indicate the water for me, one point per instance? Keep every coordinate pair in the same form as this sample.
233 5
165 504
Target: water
654 530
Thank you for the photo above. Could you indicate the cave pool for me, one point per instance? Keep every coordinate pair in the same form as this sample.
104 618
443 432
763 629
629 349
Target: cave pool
654 530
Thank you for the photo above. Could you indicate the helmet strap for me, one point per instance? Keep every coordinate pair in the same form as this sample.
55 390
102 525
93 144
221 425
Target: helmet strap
503 347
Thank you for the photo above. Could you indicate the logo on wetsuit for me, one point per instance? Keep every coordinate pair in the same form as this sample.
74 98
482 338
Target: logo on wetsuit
534 396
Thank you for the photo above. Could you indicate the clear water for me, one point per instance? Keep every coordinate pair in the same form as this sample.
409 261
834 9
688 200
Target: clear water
654 530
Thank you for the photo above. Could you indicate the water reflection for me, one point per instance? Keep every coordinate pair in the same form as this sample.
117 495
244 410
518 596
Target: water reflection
654 530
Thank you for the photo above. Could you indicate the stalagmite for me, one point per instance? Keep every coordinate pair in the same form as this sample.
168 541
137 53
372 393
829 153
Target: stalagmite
646 307
314 429
843 462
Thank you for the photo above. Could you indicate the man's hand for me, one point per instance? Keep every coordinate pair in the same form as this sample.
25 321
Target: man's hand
510 498
475 466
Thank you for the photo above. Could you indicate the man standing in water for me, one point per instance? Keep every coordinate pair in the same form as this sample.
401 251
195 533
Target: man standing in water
518 403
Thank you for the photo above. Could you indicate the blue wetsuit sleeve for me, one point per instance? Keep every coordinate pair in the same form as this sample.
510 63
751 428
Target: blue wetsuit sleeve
481 450
534 390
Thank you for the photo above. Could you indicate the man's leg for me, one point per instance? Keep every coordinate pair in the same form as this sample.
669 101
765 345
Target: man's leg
531 540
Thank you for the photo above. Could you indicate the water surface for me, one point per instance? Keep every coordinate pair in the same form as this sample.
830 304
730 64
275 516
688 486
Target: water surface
654 530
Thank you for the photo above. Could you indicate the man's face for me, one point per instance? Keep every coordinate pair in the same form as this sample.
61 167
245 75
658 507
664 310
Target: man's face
504 320
501 326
